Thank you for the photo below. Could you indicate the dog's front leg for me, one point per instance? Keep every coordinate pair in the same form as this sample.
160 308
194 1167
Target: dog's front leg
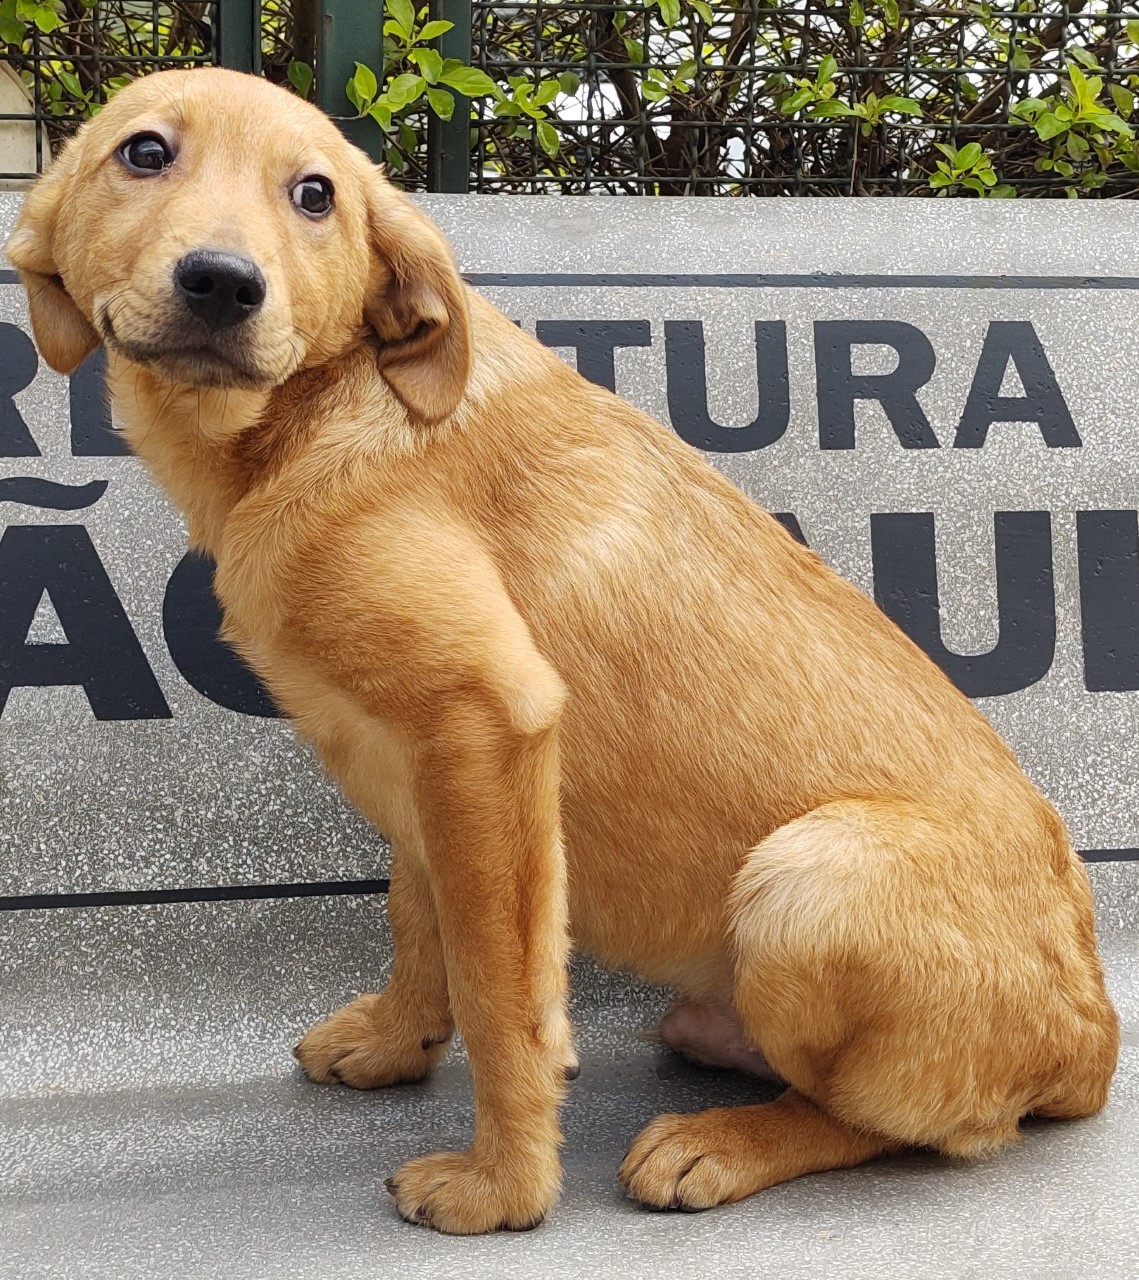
399 1035
488 805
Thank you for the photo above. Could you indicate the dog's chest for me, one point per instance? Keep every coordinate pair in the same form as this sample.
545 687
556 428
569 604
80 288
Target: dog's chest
371 760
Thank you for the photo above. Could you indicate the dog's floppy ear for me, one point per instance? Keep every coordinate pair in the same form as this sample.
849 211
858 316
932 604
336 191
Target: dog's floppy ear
417 305
63 334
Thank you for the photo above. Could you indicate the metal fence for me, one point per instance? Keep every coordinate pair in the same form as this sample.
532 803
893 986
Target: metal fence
665 97
703 105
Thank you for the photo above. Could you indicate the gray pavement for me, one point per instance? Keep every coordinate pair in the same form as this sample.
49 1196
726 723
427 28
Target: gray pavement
154 1125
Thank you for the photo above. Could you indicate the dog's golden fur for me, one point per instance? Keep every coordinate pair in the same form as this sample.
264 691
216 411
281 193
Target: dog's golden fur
586 687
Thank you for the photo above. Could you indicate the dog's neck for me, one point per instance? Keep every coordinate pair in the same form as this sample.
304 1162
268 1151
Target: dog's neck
187 437
208 449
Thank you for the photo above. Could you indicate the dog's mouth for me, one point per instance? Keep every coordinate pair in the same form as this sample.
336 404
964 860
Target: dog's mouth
189 363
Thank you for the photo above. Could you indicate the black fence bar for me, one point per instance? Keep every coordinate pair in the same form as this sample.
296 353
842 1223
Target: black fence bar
449 142
347 32
237 38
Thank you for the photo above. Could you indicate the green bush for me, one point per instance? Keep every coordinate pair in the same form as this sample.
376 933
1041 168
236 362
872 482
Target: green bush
687 96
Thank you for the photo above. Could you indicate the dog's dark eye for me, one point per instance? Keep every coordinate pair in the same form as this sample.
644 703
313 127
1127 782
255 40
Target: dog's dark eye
146 153
313 196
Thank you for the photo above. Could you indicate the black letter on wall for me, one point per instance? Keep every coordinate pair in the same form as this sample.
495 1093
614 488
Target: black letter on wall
18 364
1108 551
790 522
837 387
1042 402
102 652
905 586
594 341
191 617
92 435
685 364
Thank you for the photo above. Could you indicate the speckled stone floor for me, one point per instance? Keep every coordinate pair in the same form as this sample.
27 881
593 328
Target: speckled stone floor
153 1124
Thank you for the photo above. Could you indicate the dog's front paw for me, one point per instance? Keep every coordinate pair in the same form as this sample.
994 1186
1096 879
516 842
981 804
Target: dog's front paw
367 1045
458 1193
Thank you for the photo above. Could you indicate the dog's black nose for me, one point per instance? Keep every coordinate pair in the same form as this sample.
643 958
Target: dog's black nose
221 289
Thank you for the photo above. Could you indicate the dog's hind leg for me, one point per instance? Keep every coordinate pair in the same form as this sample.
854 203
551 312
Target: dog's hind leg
717 1156
914 989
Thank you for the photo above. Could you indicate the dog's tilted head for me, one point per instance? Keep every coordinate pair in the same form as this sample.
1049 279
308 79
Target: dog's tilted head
221 233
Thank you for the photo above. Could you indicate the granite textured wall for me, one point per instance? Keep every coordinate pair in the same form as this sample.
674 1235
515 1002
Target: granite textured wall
942 399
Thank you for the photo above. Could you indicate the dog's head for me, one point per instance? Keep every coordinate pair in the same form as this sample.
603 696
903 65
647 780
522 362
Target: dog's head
221 232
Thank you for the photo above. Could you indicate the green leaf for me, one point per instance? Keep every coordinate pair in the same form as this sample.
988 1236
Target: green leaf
1020 61
569 83
1048 126
890 10
1076 147
470 82
381 114
1123 98
12 31
798 99
547 91
1133 31
429 61
651 91
46 20
634 50
1002 192
904 106
364 82
404 89
403 12
1027 108
433 29
834 108
442 103
1064 167
548 138
1083 57
973 184
704 9
969 154
939 180
1109 120
856 14
669 11
300 77
988 177
827 69
71 83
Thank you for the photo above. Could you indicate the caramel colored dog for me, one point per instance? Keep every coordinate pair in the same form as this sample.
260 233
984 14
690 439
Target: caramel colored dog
587 689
